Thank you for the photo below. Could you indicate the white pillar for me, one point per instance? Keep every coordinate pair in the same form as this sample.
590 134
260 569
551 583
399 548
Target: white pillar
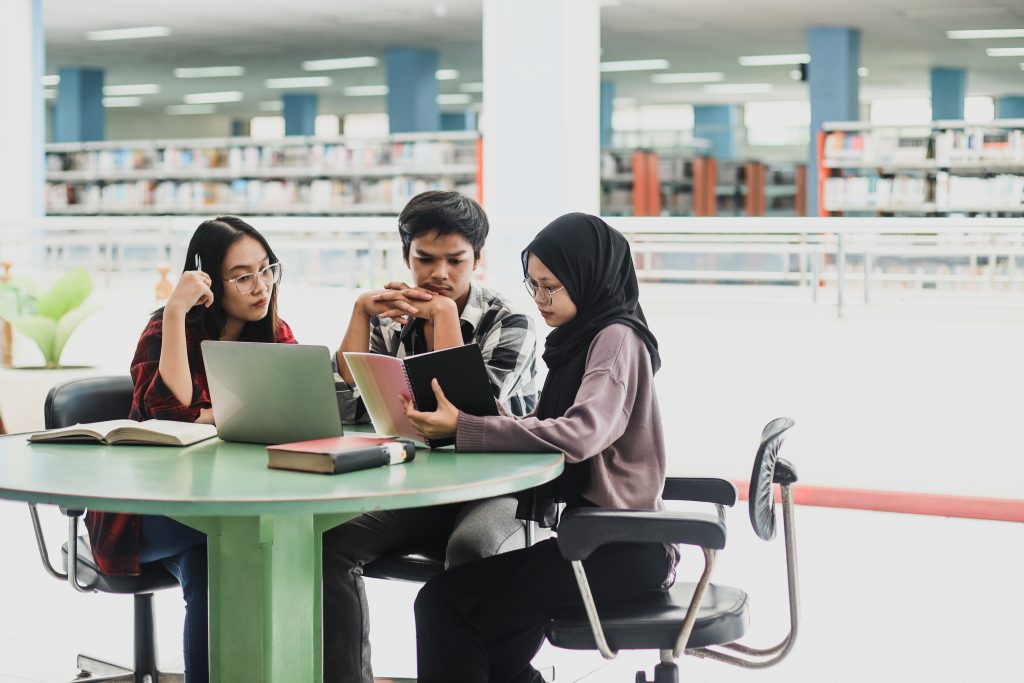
23 115
541 112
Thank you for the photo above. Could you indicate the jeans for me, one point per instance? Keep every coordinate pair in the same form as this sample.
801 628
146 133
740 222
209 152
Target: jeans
460 532
182 550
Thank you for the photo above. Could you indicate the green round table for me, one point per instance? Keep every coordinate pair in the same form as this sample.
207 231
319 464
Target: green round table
264 526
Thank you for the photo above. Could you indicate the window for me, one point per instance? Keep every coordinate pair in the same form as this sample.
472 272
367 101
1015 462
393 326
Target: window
777 123
653 117
904 111
266 127
373 125
979 109
327 126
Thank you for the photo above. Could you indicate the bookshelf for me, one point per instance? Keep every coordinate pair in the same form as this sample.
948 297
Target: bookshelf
294 175
760 188
942 168
661 181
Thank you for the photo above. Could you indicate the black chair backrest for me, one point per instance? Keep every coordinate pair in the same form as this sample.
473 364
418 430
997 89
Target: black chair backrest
88 399
761 494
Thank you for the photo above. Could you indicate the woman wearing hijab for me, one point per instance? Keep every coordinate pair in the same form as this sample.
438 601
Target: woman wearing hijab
484 621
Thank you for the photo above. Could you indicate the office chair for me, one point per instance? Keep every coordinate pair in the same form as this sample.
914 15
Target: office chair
703 619
93 399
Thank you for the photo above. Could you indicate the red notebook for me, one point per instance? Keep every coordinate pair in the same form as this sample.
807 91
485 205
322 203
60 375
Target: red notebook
340 454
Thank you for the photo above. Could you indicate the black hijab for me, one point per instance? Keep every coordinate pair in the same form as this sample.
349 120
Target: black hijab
592 260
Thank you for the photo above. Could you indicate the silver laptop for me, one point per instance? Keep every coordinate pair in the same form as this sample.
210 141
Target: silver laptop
271 393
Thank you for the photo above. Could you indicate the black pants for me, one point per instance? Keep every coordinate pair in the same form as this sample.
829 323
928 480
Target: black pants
484 621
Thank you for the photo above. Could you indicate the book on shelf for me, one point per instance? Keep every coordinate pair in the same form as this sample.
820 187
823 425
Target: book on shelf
150 432
381 379
340 454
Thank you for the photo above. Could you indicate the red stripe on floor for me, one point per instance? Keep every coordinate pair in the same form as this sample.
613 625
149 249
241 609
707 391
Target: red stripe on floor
939 505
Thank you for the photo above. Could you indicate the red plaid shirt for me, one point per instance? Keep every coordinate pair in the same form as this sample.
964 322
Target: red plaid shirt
115 536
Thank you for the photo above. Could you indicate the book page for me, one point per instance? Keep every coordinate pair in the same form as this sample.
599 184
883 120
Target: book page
186 432
381 379
94 430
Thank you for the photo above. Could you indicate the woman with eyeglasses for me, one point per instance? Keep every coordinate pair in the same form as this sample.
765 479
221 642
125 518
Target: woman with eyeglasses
228 292
484 621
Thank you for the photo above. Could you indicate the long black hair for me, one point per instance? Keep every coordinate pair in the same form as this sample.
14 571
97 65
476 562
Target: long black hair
211 242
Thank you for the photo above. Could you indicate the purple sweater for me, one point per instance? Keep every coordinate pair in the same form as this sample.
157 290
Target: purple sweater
615 423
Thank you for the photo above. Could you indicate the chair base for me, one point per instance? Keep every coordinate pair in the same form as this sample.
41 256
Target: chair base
92 670
663 673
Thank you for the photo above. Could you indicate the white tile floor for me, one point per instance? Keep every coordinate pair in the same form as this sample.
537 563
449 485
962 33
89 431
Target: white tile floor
919 397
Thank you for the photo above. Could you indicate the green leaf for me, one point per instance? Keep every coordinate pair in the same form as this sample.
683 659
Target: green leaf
67 324
68 293
41 330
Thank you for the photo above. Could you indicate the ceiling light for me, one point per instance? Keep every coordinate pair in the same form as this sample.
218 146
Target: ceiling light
454 98
738 88
213 97
272 105
209 72
693 77
863 71
51 79
634 65
775 60
365 90
183 109
298 82
471 87
339 64
446 74
138 89
1005 51
122 101
982 34
129 33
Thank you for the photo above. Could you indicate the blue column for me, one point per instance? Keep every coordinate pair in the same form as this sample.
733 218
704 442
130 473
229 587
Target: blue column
78 114
458 120
1010 107
238 128
834 90
412 90
717 123
299 114
949 88
607 103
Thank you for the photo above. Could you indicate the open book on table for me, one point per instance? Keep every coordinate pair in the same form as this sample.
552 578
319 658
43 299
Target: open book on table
381 379
156 432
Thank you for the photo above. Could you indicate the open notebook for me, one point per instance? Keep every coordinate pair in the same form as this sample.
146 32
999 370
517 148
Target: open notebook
157 432
381 379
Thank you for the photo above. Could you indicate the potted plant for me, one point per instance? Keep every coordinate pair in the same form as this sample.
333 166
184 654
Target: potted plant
48 318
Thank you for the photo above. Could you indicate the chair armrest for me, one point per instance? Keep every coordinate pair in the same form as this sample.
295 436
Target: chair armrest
581 531
700 489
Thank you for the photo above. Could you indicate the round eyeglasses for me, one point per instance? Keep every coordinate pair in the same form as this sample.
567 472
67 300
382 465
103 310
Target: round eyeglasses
546 293
249 282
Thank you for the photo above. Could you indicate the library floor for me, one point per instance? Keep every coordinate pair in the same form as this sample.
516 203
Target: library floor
919 397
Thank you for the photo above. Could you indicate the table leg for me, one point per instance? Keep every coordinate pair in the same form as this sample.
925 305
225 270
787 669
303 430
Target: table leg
265 604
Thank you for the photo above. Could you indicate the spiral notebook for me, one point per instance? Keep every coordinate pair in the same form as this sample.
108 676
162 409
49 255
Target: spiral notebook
381 379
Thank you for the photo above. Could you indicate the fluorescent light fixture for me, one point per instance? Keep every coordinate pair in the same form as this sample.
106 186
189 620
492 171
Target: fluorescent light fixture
692 77
446 74
339 64
1005 51
298 82
863 71
52 94
738 88
272 105
454 98
471 87
209 72
213 97
51 79
775 60
983 34
137 89
129 33
187 109
122 102
365 90
634 65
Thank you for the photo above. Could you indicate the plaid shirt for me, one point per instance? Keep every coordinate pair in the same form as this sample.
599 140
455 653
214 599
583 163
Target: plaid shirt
114 536
507 342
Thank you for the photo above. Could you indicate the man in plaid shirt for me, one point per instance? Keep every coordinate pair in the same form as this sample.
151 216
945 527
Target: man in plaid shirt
442 237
